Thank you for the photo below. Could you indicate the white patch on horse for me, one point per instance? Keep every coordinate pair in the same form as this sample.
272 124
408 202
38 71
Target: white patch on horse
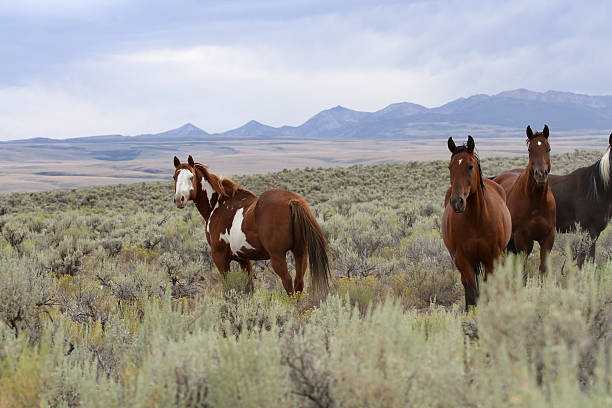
235 237
460 160
211 214
206 187
184 182
539 143
604 168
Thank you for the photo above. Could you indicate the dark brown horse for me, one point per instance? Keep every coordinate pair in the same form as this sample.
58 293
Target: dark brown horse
243 227
476 223
584 197
530 200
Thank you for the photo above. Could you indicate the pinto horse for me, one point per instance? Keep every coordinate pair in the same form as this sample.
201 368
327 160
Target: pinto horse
243 227
530 200
476 223
584 197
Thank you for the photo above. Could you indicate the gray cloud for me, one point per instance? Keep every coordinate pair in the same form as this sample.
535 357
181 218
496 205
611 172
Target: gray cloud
108 66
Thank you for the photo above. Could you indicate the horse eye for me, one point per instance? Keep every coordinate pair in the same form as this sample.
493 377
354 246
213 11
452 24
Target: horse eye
548 150
470 167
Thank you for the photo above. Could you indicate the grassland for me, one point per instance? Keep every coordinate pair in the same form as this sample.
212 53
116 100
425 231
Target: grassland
108 297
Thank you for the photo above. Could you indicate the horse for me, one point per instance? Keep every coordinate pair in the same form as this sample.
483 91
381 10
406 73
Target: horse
476 224
242 227
584 198
530 200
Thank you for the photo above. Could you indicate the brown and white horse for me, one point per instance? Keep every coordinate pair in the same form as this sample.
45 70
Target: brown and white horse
243 227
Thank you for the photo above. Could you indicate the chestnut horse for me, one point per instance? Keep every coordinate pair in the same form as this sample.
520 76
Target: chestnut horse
242 227
476 223
530 200
584 197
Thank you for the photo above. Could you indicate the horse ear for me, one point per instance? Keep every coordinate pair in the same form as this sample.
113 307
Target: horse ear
470 144
529 132
545 131
190 161
177 162
453 148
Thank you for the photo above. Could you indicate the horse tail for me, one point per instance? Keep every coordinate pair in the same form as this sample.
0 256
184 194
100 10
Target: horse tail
307 233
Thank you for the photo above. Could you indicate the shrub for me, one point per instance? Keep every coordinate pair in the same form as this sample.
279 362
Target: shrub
25 294
14 234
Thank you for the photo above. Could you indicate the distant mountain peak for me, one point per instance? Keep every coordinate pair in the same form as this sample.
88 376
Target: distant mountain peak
252 128
188 129
189 125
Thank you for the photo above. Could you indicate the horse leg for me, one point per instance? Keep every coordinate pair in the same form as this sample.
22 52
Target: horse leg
594 237
524 247
545 247
468 279
279 264
301 260
222 261
248 268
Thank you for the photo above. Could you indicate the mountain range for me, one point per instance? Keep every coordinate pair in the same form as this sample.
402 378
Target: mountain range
562 111
509 109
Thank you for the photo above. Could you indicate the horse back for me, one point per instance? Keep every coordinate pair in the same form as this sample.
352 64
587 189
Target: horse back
274 218
496 188
506 180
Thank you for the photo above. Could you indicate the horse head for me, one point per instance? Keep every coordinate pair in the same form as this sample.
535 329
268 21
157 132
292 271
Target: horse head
185 182
465 173
539 155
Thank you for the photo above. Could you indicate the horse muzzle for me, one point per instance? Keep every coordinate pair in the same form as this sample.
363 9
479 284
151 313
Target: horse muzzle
540 177
180 200
458 204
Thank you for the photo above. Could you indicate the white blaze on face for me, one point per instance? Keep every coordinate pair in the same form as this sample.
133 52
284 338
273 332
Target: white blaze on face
460 160
539 143
184 183
235 237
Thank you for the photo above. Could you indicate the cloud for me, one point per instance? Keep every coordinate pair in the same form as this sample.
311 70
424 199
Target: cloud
143 67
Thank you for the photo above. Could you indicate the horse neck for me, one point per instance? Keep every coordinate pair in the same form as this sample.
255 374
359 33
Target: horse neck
476 203
202 201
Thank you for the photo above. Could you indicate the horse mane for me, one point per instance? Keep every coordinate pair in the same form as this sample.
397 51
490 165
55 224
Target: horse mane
463 148
223 186
597 176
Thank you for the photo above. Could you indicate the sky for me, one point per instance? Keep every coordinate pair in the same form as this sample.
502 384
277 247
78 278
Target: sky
72 68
